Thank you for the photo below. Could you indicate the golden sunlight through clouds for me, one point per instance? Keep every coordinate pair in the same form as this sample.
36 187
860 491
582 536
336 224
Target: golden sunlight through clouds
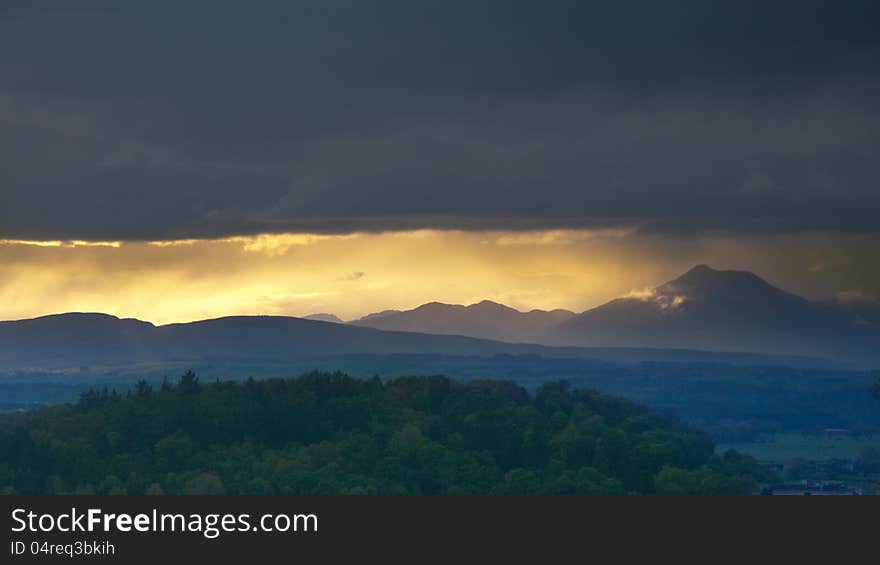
355 274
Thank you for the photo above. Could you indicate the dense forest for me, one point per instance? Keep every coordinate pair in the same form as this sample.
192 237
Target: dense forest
734 403
328 433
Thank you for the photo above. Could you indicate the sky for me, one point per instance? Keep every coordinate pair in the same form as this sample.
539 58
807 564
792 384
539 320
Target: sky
175 161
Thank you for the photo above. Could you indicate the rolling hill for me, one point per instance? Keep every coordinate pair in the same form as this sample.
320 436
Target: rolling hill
683 320
485 319
324 317
89 344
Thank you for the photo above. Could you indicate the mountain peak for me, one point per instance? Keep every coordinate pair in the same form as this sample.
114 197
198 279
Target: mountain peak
377 315
704 274
489 305
324 317
76 318
706 308
705 278
744 289
435 306
701 270
484 319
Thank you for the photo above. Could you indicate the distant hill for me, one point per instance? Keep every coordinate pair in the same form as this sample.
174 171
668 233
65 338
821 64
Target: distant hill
375 315
70 340
324 317
722 310
865 312
683 320
75 339
704 309
485 319
98 343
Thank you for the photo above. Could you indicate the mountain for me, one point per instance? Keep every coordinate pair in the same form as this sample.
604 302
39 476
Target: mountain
73 340
721 310
689 319
485 319
865 311
703 309
324 317
98 344
376 315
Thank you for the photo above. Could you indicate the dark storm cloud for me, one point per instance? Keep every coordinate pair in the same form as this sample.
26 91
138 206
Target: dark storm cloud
146 121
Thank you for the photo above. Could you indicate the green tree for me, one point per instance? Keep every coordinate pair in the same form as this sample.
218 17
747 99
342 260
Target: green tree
328 433
204 483
189 383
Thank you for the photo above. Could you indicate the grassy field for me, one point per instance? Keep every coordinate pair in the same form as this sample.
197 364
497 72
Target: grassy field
785 447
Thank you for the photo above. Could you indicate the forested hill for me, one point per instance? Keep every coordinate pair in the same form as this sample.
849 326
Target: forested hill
329 433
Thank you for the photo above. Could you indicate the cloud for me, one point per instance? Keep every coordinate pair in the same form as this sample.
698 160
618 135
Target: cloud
559 237
58 243
279 244
355 276
645 294
851 296
141 122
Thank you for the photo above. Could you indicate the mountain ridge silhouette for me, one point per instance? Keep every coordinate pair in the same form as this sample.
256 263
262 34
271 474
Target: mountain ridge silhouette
703 310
